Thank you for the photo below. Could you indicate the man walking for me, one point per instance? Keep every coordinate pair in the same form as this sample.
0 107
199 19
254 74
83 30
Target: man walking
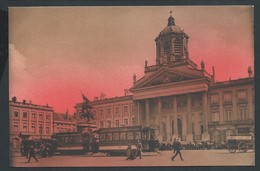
139 149
177 148
32 154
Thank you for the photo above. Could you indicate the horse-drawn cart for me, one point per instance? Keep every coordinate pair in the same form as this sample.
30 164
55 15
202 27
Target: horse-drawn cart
240 142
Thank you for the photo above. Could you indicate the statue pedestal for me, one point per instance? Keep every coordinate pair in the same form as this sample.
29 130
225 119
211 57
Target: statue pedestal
205 137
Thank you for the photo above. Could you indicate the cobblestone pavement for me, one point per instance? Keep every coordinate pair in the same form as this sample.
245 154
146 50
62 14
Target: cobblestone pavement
163 158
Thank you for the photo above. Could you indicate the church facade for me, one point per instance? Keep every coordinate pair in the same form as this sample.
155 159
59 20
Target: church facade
179 99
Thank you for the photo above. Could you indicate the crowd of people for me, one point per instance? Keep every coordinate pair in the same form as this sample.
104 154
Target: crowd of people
31 148
196 145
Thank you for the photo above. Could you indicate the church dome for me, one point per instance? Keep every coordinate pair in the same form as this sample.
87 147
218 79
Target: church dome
171 27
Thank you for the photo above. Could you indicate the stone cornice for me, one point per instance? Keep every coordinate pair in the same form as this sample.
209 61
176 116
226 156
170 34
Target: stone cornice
109 100
232 83
30 106
169 85
160 71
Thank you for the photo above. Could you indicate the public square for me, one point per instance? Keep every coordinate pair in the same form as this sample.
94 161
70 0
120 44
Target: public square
162 158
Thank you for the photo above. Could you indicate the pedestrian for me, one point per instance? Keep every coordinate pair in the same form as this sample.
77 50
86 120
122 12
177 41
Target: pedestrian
177 148
129 153
139 149
43 150
31 154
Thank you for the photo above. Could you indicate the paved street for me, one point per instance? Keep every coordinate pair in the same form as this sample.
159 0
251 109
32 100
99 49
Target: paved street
191 158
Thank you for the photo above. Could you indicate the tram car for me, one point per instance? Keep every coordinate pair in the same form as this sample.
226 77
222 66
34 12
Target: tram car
72 142
114 141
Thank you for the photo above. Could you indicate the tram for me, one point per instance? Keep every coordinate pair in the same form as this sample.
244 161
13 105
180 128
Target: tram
112 141
72 142
115 140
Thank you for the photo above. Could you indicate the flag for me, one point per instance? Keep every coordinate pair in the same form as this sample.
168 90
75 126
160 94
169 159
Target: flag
84 98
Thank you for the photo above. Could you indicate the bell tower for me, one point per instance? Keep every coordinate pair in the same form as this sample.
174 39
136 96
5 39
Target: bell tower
171 44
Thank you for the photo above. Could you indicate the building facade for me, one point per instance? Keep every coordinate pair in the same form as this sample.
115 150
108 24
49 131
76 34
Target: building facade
29 121
179 99
112 112
63 122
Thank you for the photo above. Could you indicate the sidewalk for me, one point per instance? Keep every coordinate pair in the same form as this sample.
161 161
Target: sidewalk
146 154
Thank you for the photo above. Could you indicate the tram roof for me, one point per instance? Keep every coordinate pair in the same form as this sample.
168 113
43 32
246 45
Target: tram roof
124 128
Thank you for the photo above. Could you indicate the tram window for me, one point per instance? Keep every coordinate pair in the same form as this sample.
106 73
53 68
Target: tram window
138 135
109 137
102 137
130 135
122 135
115 136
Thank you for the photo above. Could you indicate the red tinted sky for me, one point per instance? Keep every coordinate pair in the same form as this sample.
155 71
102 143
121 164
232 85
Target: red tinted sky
57 52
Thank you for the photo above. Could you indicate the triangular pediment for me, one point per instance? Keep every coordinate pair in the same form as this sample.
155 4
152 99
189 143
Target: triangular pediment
164 77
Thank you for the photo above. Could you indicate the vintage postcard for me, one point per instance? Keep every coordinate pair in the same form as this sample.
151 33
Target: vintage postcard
124 86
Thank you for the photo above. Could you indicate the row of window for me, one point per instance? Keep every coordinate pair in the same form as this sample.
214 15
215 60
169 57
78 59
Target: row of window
25 128
227 96
108 123
25 115
108 111
227 115
120 136
64 124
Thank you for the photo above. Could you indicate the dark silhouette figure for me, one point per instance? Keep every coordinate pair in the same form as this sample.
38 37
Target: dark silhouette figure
130 155
32 154
139 149
177 148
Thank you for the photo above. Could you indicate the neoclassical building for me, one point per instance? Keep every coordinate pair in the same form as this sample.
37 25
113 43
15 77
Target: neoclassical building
179 99
29 121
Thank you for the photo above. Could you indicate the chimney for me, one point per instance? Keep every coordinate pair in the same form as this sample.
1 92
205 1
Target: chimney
14 99
24 101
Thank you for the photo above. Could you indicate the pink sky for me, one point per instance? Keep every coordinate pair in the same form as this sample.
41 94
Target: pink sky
57 52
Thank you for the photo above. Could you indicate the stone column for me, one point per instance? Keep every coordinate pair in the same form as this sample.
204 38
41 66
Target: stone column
136 114
147 118
139 116
205 135
184 126
160 119
168 128
189 136
175 112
